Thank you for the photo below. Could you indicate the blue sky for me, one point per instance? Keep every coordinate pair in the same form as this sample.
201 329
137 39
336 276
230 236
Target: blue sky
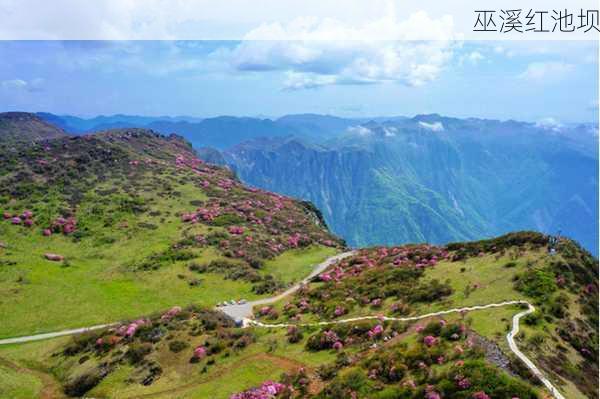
505 80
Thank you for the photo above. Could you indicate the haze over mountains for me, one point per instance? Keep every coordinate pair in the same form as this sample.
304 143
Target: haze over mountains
395 180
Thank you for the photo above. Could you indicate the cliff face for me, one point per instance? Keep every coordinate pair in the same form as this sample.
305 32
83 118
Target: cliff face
394 183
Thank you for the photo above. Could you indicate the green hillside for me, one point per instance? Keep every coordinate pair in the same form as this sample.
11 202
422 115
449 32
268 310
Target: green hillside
23 127
136 219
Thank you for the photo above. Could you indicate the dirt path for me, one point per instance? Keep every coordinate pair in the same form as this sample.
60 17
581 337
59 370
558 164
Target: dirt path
51 389
510 337
39 337
243 311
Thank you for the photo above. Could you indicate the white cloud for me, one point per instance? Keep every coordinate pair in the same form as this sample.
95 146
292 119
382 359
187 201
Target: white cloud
207 19
549 124
20 84
418 26
434 127
14 84
298 81
230 19
316 52
475 57
360 130
390 131
542 71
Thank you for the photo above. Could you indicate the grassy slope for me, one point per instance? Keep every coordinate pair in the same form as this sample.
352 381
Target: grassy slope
96 288
294 265
126 213
16 385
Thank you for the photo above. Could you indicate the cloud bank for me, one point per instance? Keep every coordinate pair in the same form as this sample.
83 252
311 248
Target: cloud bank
317 52
434 127
546 71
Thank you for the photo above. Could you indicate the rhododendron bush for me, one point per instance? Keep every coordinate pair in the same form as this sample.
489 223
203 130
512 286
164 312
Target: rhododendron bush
267 390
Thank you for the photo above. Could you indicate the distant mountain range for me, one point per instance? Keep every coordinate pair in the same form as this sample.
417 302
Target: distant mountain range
394 180
219 132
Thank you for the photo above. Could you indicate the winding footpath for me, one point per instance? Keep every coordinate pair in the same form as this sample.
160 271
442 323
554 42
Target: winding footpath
39 337
243 313
510 337
513 347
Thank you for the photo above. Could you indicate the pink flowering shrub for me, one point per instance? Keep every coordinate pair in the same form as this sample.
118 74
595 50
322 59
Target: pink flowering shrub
375 331
429 340
431 394
168 315
347 334
200 352
265 310
339 311
236 230
337 345
63 225
376 303
462 383
267 390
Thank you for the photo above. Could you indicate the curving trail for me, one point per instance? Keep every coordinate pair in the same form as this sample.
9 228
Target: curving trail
386 318
243 312
39 337
513 347
509 337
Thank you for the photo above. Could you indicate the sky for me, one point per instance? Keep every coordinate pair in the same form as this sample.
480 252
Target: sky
522 80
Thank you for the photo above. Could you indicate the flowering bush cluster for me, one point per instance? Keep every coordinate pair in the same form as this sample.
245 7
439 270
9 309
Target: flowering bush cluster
59 225
267 390
417 256
63 225
256 224
134 341
441 363
24 219
339 336
498 245
371 279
